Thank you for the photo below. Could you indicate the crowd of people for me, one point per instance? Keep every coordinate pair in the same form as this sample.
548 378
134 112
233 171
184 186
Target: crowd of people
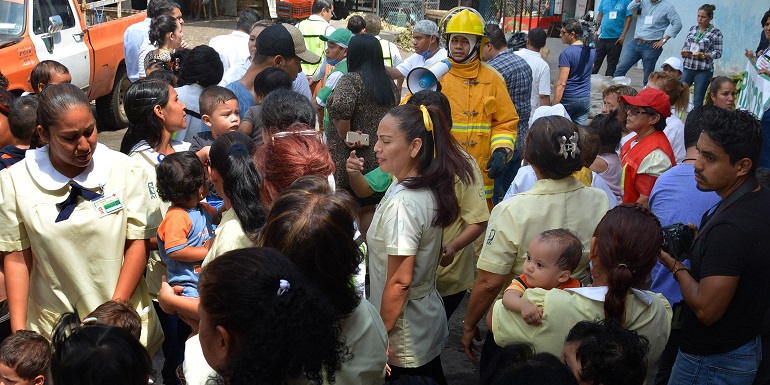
278 214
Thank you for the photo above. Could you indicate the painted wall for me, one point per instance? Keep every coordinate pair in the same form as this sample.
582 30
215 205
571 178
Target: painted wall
739 21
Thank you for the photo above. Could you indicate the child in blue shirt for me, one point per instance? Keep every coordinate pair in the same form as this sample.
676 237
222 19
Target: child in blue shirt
186 233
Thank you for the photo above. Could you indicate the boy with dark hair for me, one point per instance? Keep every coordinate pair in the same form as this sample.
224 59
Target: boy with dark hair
22 119
356 24
118 314
25 359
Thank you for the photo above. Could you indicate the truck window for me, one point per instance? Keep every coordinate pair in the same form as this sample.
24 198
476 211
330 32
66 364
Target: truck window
11 17
43 9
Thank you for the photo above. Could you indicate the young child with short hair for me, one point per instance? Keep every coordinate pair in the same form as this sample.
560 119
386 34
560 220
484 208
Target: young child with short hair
220 113
119 314
551 257
25 359
48 72
186 232
607 162
22 119
267 81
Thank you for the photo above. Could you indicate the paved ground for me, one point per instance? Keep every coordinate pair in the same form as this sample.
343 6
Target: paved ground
459 370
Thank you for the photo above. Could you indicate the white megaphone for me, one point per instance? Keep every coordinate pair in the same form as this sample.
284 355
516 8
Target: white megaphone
422 78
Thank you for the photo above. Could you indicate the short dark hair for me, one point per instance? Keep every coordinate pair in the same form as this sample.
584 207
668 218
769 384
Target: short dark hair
213 96
202 66
496 36
608 353
43 71
764 18
271 79
738 133
573 25
247 18
570 244
282 108
156 8
22 118
518 363
180 176
356 24
118 314
28 353
542 149
373 24
162 73
320 5
698 118
610 131
537 38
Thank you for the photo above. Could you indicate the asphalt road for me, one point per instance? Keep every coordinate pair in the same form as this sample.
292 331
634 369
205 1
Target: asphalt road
458 369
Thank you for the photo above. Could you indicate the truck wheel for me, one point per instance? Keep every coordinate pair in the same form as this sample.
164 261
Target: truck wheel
110 112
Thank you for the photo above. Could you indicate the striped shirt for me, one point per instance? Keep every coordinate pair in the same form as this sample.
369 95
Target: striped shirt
518 79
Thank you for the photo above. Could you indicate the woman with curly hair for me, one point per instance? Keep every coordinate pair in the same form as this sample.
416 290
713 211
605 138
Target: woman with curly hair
166 34
307 221
276 330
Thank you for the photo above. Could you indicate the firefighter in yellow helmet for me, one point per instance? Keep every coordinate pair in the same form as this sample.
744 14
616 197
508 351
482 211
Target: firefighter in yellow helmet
484 118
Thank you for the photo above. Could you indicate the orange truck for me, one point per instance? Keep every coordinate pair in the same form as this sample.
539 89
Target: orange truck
35 30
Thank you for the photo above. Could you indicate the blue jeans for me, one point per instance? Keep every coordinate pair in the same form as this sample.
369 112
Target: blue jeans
503 182
701 78
736 367
577 108
635 51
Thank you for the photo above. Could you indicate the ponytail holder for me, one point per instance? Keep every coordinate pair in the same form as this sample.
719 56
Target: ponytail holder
283 286
428 122
623 265
88 321
569 147
237 148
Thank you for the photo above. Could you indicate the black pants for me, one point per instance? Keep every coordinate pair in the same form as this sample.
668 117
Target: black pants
489 350
610 49
451 302
432 370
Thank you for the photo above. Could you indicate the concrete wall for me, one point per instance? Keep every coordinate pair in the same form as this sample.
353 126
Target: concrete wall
739 21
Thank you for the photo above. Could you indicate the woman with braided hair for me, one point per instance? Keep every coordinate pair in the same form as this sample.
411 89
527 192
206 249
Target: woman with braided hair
624 248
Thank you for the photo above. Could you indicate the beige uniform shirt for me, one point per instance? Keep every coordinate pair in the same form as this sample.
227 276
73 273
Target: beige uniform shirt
76 262
402 226
461 273
229 235
647 313
549 204
366 338
146 157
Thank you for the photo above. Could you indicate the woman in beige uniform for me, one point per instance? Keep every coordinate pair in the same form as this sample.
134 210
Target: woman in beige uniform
73 223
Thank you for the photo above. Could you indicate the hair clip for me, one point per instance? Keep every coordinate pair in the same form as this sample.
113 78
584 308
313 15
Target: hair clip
569 147
428 122
283 286
238 148
88 321
623 265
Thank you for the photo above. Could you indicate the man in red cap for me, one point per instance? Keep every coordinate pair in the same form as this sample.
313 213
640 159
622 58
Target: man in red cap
649 154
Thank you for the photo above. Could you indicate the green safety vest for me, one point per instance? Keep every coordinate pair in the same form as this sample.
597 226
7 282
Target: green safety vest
312 31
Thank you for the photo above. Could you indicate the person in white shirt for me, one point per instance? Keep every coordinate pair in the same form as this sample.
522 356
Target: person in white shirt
233 48
427 50
541 73
136 36
147 47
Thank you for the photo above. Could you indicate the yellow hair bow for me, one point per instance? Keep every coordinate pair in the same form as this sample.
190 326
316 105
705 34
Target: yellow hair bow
428 125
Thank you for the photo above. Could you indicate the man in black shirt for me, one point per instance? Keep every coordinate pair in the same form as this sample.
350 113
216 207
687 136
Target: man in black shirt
728 289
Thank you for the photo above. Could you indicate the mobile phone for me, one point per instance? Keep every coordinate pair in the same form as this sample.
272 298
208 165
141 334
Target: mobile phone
353 137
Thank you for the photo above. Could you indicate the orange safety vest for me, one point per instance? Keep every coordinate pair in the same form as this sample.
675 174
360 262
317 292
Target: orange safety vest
632 157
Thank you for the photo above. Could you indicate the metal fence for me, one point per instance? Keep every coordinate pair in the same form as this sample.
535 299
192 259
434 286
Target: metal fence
404 13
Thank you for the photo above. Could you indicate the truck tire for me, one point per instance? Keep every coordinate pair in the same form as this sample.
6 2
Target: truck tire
110 112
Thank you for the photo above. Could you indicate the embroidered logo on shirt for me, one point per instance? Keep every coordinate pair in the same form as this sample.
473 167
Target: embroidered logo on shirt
491 236
151 189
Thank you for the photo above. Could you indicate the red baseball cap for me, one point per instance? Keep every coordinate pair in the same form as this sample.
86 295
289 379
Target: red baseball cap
650 97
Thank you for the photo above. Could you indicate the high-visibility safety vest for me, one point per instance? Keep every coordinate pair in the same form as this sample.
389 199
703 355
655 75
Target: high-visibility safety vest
387 55
312 29
632 157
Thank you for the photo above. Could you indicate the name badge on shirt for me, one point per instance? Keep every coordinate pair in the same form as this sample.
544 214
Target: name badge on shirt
107 205
613 15
648 20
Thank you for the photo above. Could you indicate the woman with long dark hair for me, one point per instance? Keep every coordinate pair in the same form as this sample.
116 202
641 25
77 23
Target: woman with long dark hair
405 239
268 325
74 223
361 98
306 222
